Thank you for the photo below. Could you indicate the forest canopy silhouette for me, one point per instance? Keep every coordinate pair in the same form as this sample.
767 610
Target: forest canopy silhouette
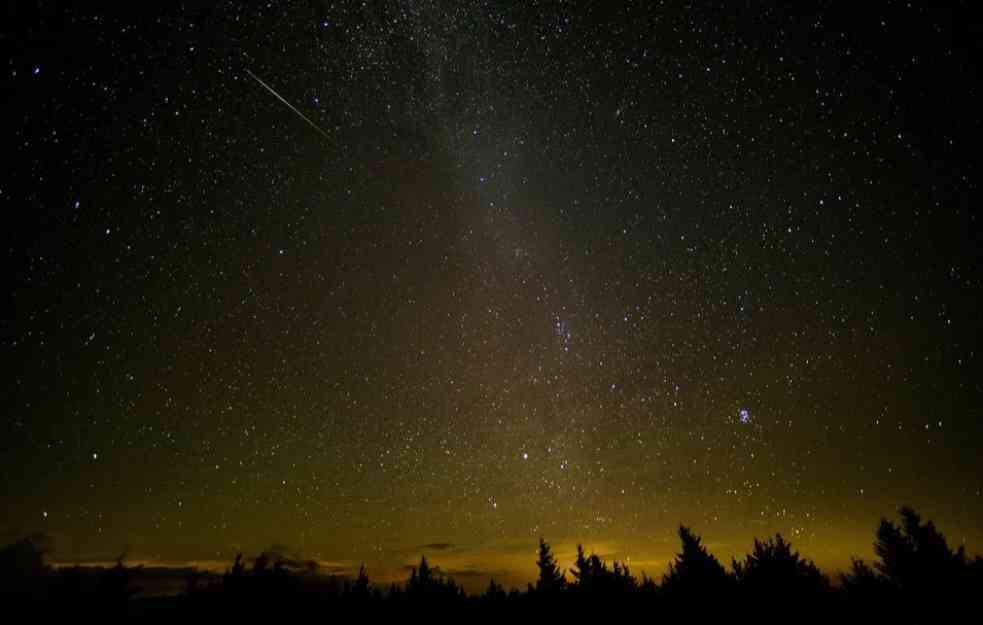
915 574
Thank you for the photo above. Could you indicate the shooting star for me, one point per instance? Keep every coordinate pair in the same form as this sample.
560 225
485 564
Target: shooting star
289 105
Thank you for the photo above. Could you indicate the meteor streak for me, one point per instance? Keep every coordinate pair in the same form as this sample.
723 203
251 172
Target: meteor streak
289 105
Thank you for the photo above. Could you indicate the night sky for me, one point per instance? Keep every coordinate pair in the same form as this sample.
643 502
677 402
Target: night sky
375 279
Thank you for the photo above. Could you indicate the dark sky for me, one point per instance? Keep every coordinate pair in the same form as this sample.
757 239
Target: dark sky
575 270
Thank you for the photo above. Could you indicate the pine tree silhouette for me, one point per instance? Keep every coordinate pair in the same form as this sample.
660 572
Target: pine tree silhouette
428 583
774 572
695 574
495 593
551 579
595 580
361 589
917 562
583 571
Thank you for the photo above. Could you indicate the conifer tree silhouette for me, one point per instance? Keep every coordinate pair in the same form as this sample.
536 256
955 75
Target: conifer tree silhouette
495 593
551 579
774 572
428 583
695 573
917 563
595 580
361 589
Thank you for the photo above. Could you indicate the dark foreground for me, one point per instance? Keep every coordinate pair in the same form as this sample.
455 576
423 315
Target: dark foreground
915 577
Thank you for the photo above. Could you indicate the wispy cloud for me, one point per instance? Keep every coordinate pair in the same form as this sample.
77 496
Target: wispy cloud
437 547
472 572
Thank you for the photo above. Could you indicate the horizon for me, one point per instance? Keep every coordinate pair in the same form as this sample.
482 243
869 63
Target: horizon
459 562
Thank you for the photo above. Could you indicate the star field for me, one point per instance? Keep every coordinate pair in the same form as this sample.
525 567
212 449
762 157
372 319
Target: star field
573 270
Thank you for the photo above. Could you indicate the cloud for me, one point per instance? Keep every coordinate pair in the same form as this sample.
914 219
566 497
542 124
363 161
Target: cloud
436 547
335 567
470 572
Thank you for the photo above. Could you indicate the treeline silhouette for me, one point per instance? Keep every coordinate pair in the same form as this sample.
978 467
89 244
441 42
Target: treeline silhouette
915 577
